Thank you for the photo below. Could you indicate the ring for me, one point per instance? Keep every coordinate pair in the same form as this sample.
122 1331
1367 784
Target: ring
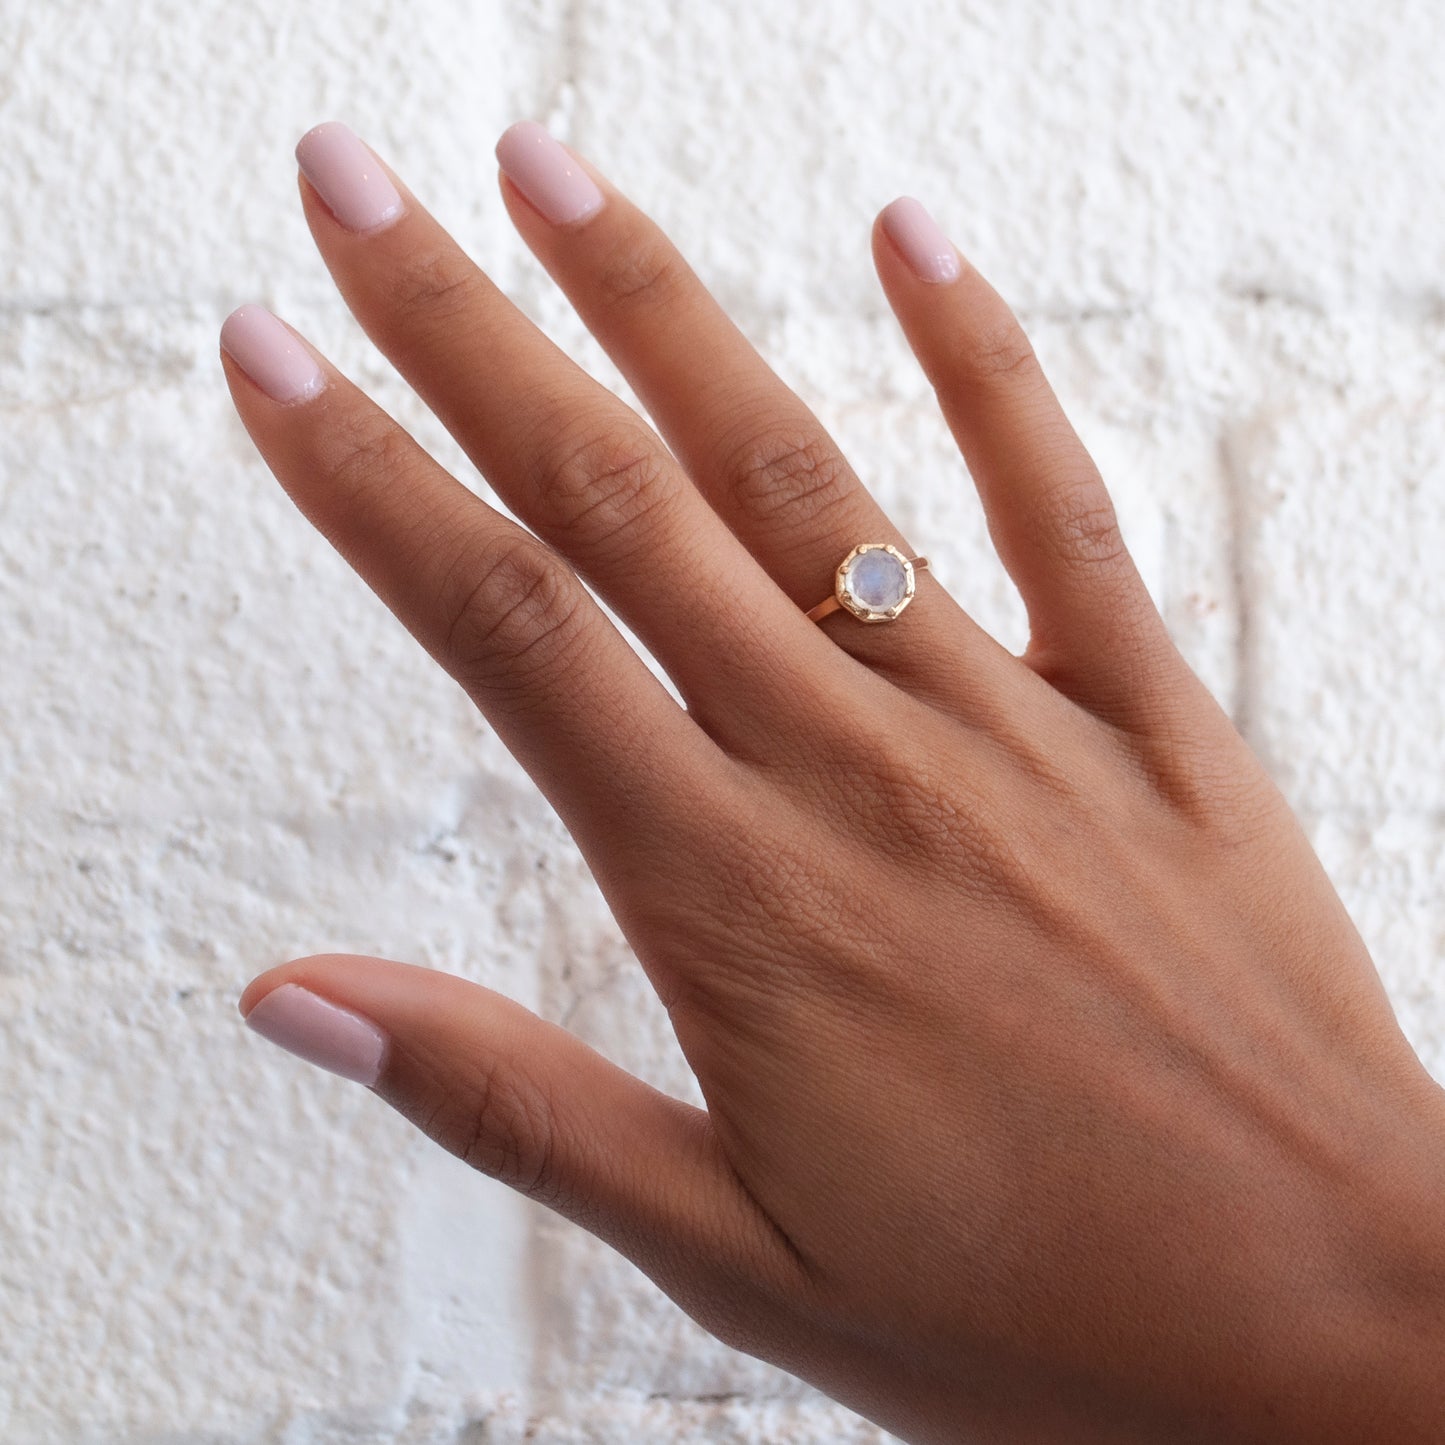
874 582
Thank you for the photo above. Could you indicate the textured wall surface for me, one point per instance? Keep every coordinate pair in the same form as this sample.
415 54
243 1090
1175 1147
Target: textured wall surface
1224 226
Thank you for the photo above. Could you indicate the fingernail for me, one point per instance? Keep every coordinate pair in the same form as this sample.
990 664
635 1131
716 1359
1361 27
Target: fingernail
271 354
348 176
320 1032
546 174
929 253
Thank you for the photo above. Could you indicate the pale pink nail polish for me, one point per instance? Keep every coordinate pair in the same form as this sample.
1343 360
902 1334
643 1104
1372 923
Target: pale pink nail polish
348 176
271 354
929 253
543 170
321 1032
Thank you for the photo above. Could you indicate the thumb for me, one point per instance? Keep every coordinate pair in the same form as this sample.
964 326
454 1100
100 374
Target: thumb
530 1104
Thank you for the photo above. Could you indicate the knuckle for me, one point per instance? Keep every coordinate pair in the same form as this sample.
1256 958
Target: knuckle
995 350
791 474
1082 524
639 271
435 285
370 452
502 1126
511 612
599 490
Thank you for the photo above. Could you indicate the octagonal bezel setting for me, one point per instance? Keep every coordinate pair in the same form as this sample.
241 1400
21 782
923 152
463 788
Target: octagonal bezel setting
860 609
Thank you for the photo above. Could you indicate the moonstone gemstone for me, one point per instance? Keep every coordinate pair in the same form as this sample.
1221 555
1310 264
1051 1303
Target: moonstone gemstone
876 579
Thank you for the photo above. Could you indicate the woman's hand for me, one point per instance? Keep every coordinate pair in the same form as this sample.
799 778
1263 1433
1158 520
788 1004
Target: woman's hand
1051 1094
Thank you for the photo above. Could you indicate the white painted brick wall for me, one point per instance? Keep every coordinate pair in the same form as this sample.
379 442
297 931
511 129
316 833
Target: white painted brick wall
1225 226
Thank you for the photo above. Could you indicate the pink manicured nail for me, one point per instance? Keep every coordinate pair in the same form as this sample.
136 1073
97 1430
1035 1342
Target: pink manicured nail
920 238
320 1032
546 174
348 176
271 354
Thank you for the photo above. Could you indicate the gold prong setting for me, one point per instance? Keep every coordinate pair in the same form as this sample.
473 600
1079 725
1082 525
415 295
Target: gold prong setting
875 582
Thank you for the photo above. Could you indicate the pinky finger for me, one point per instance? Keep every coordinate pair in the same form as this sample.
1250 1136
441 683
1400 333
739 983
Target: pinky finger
1095 633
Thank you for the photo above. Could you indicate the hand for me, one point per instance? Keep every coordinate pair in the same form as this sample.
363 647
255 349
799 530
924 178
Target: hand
1051 1094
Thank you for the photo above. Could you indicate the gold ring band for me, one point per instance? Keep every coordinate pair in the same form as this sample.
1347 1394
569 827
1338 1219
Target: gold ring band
874 582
